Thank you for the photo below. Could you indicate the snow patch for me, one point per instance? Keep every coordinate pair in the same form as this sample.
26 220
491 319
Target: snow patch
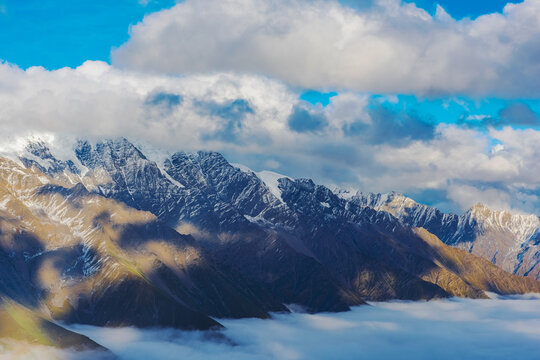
243 168
270 179
3 203
166 174
345 194
159 156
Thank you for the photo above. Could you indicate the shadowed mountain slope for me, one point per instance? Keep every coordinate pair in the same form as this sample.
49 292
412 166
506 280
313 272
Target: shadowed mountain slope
89 259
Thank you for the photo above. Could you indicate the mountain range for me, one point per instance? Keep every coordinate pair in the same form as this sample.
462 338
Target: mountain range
110 233
511 241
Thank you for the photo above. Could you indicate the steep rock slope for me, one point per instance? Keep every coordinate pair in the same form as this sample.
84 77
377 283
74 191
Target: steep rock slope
90 259
204 195
474 271
511 241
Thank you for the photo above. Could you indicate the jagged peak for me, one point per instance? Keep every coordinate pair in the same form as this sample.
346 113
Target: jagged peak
344 193
505 218
39 148
46 148
379 201
121 146
243 168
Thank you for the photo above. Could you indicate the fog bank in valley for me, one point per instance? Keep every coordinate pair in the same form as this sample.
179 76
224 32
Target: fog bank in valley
449 329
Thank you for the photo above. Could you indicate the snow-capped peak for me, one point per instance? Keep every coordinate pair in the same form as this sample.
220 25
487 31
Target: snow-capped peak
243 168
522 226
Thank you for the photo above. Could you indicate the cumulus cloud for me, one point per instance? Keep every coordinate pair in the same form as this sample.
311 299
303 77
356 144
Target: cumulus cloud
449 329
390 47
472 166
98 100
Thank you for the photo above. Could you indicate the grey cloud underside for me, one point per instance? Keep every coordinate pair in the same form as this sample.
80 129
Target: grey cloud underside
519 114
514 114
164 99
396 128
302 119
229 115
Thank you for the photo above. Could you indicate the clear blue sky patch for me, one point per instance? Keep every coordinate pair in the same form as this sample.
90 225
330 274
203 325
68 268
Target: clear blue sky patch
316 97
60 33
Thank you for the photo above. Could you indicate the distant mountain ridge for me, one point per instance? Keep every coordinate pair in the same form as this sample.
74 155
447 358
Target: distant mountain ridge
511 241
105 235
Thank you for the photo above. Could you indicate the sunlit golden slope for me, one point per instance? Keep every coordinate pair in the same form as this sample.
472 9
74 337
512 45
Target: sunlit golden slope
19 325
93 260
467 275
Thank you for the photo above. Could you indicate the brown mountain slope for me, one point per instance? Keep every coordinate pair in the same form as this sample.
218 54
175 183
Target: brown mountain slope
21 324
465 274
92 260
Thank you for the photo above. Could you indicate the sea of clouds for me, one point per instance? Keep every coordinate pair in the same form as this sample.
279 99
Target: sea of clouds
501 328
498 328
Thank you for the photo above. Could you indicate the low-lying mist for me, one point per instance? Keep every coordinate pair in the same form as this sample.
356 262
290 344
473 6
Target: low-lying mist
500 328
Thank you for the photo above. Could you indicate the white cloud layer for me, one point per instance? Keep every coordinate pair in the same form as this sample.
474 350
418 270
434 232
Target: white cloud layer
261 123
391 47
449 329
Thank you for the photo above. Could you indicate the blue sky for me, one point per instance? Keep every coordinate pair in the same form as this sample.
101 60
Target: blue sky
464 8
59 33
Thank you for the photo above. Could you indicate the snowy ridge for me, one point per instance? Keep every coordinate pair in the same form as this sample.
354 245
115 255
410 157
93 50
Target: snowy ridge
243 168
204 188
521 226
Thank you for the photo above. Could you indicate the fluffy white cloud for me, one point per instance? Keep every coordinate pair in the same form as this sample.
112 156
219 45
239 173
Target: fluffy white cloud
99 100
392 47
497 168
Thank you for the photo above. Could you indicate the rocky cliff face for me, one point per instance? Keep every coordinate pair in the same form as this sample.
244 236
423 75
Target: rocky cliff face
511 241
111 236
93 260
